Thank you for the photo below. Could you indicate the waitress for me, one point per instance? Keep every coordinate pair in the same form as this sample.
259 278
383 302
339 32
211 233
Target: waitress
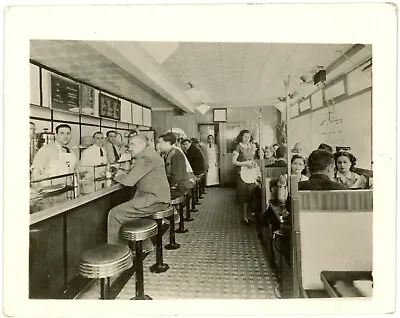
55 158
243 158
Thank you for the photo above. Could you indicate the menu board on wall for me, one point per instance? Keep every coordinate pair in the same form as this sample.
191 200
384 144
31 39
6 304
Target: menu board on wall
109 107
64 94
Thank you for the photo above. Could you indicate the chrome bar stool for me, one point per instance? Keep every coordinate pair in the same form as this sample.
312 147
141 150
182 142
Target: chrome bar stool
136 231
172 245
104 261
160 266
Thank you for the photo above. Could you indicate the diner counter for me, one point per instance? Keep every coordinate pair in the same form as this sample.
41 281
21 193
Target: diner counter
59 235
72 204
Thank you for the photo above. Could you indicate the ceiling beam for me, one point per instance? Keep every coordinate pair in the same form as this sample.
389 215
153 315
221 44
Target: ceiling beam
136 61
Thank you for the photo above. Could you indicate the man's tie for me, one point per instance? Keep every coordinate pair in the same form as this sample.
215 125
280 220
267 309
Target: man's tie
209 146
116 155
101 153
66 149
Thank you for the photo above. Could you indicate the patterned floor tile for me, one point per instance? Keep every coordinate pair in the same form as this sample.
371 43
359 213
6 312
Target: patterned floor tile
219 258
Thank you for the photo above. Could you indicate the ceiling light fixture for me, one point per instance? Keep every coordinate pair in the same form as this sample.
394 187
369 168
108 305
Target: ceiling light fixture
203 108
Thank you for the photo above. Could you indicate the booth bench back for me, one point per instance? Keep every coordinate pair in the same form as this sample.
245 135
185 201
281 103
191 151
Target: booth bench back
335 230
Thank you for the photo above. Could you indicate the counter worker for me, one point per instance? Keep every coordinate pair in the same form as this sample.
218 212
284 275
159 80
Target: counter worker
55 158
51 160
92 156
111 146
213 158
152 189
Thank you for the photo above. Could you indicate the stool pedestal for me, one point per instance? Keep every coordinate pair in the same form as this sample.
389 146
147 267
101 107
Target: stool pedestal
181 228
193 192
172 245
137 231
139 272
188 218
159 266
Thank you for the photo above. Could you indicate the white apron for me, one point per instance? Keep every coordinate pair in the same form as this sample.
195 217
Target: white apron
65 164
213 169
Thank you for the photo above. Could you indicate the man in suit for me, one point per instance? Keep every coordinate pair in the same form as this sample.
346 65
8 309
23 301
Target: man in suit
152 188
281 153
111 147
175 166
195 157
321 164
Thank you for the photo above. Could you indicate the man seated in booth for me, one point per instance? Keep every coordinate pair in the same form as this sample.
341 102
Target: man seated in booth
281 154
195 157
321 164
152 189
175 165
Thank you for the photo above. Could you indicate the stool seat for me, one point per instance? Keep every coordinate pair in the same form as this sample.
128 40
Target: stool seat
178 200
163 213
138 230
105 260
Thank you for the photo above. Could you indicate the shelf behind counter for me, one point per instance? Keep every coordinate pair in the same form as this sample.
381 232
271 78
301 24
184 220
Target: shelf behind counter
58 236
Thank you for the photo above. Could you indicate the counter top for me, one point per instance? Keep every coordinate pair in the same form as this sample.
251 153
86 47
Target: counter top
71 204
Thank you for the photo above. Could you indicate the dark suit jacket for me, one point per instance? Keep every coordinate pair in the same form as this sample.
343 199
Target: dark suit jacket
196 159
321 182
178 177
148 174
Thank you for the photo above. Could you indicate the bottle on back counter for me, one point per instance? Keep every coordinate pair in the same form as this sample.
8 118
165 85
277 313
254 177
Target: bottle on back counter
108 175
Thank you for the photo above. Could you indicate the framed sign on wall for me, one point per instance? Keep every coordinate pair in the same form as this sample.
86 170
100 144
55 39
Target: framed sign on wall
220 115
64 94
109 107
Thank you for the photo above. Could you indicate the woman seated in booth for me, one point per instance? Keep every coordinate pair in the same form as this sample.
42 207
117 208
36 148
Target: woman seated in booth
345 163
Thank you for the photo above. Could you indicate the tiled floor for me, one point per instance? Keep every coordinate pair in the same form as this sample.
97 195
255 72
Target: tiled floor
219 258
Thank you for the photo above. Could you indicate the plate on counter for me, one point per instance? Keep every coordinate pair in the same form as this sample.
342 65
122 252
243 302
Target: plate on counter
53 188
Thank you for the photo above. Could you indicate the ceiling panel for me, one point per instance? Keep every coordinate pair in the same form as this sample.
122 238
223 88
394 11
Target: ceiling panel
248 74
84 63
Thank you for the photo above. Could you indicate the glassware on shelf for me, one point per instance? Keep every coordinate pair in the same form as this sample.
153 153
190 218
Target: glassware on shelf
46 192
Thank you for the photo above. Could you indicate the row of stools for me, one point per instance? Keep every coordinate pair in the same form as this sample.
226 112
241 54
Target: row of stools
107 260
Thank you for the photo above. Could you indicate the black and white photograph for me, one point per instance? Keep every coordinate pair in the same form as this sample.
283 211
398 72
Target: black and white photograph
202 169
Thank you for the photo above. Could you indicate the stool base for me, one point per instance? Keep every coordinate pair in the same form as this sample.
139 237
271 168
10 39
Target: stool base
181 231
188 219
159 268
171 246
146 297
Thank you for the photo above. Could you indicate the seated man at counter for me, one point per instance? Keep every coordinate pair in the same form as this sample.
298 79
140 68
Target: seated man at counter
55 158
195 157
280 154
111 146
321 164
203 150
152 189
175 166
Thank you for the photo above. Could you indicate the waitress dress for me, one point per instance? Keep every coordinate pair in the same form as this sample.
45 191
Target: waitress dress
244 190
